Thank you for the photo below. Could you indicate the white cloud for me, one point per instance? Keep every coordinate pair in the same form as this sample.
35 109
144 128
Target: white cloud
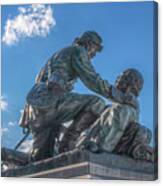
4 131
34 20
3 103
26 146
12 123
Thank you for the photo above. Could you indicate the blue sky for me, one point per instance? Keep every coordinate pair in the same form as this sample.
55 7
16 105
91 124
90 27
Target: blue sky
127 32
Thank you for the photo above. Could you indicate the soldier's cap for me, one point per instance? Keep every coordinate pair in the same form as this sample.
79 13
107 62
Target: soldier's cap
94 37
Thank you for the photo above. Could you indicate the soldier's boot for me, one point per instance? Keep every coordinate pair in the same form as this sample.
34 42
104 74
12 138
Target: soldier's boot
80 123
139 148
143 152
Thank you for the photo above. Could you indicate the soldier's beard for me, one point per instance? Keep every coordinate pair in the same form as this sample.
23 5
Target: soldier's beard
91 51
135 91
91 55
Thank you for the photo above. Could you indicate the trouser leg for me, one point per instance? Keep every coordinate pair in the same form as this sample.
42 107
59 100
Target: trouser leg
80 123
66 109
43 144
91 110
135 142
72 104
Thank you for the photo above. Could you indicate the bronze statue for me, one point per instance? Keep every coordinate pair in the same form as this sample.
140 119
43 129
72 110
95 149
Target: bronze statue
51 101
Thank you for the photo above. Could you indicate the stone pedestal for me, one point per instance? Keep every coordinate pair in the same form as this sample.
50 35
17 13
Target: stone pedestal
83 164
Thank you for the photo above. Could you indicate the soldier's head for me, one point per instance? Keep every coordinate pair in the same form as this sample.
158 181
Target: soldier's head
91 41
131 80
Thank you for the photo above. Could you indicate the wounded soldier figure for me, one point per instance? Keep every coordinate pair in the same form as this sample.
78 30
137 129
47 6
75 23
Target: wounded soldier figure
117 130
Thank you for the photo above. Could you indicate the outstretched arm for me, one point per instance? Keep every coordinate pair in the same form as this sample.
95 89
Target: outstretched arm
93 80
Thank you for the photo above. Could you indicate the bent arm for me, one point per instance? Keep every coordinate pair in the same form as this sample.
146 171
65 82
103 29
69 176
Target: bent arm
88 75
